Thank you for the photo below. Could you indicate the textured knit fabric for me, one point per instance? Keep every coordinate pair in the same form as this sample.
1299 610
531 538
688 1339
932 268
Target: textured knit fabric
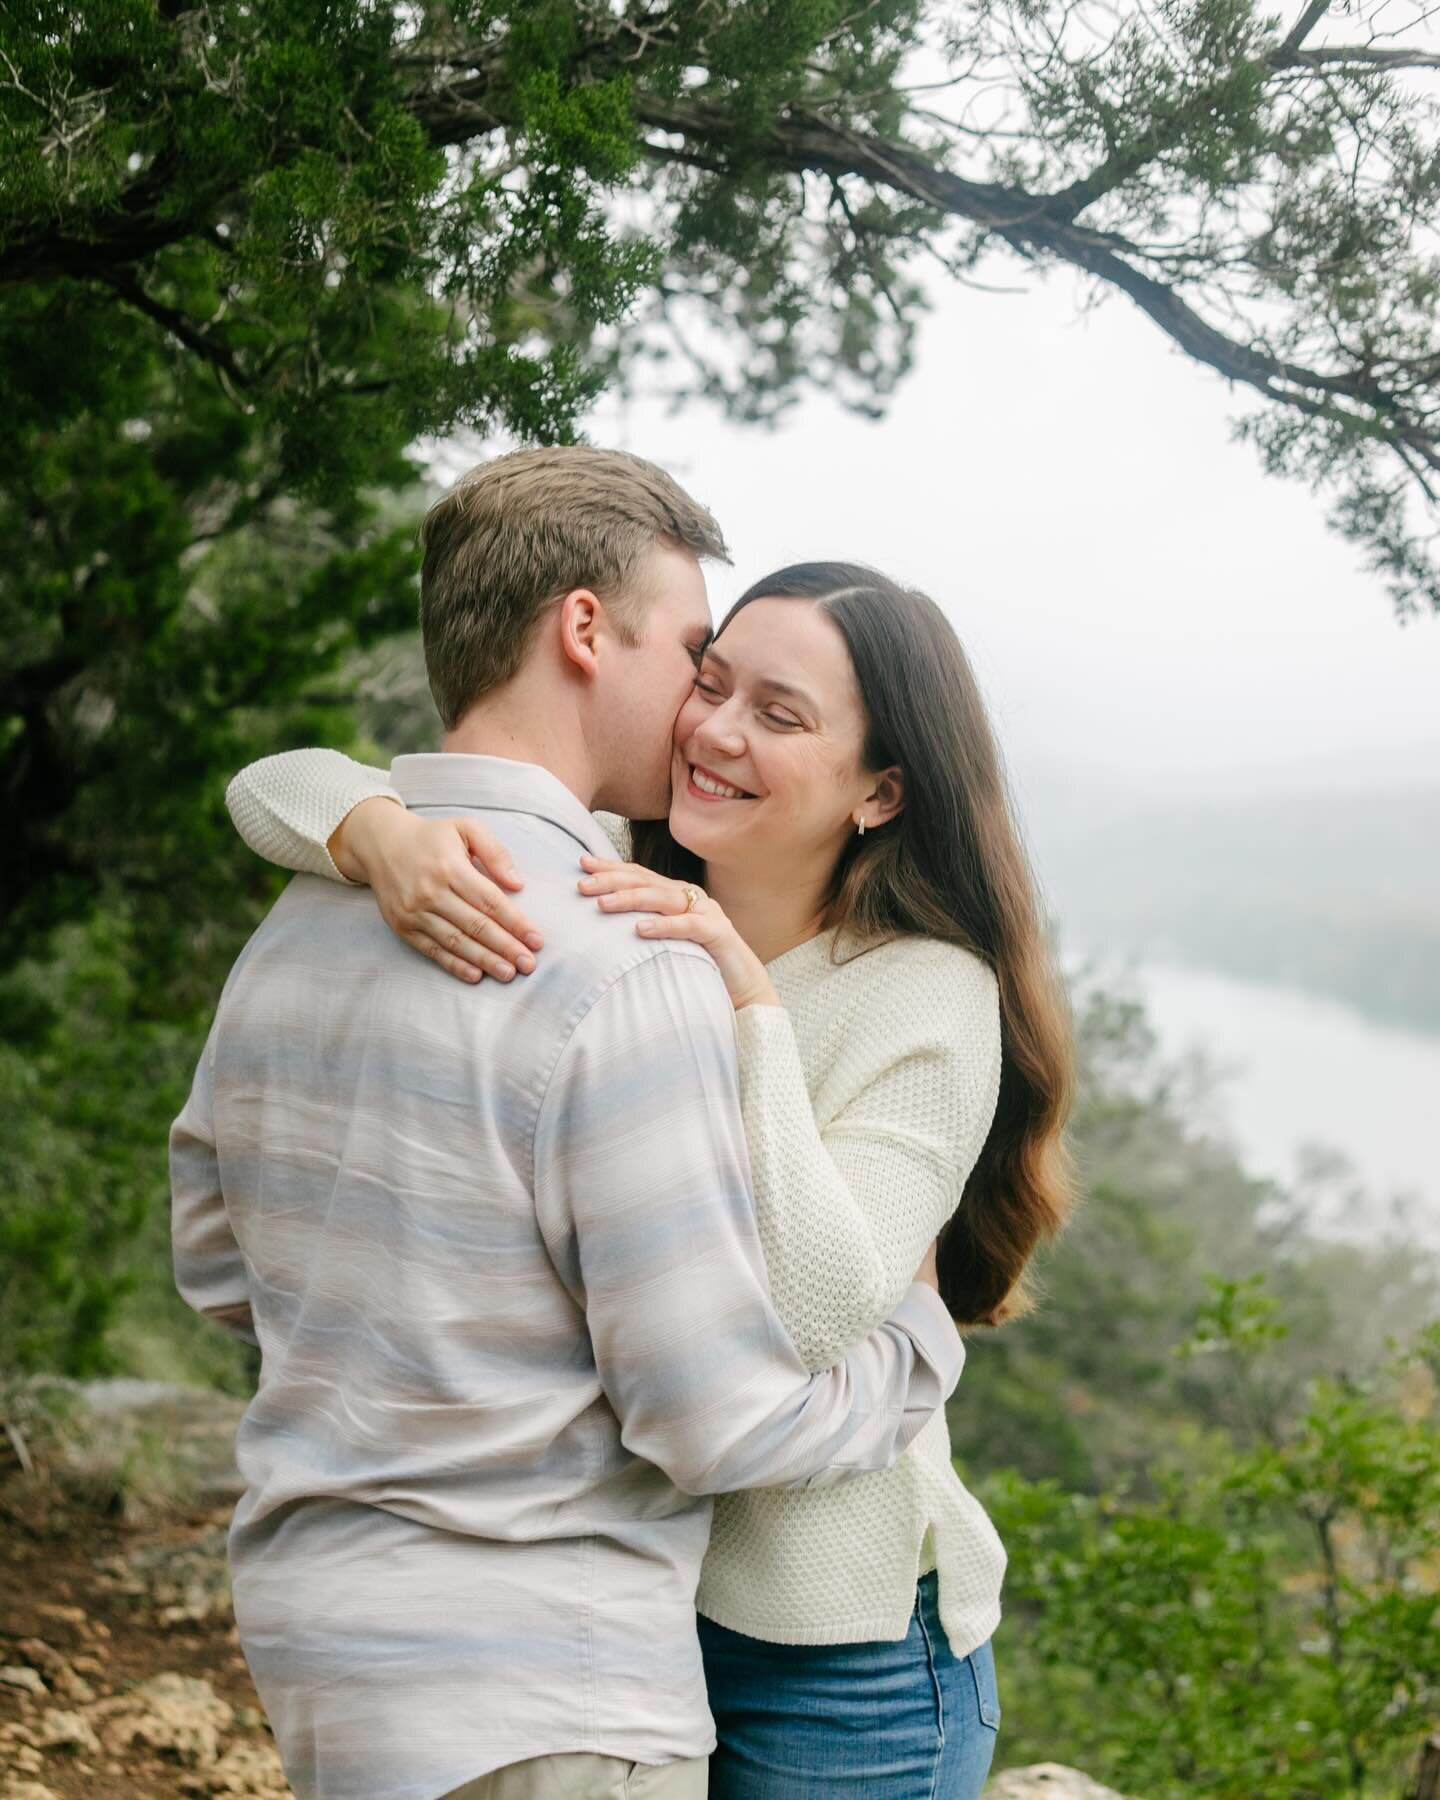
866 1102
498 1248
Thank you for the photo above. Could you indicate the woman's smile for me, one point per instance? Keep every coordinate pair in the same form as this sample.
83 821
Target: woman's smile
704 785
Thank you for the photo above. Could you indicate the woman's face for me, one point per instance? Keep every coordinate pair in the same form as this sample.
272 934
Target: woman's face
768 767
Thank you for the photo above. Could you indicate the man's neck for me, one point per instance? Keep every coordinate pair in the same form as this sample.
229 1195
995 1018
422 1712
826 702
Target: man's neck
523 728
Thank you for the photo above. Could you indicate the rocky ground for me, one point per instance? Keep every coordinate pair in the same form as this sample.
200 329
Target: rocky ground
121 1676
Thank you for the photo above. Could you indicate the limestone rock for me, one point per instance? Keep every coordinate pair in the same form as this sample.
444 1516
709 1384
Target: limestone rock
66 1731
24 1681
185 1583
61 1675
19 1788
18 1753
1047 1781
42 1656
173 1715
249 1770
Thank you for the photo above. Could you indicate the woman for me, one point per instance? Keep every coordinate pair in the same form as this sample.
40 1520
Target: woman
840 842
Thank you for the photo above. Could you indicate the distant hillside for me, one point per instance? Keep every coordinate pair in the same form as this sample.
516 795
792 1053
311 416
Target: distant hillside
1335 893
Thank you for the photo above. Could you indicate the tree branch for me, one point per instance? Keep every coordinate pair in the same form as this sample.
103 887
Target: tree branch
455 112
1032 226
1302 28
51 254
1328 56
217 354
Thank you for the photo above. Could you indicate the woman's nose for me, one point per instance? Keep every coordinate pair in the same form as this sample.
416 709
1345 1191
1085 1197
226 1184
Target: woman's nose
717 731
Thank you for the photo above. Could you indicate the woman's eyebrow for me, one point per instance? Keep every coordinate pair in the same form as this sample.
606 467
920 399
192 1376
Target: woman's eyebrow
770 682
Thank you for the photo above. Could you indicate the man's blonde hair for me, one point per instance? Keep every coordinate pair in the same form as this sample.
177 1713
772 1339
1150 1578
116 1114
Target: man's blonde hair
514 535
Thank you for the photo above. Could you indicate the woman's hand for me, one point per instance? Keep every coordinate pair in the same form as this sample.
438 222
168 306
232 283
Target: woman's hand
626 887
431 892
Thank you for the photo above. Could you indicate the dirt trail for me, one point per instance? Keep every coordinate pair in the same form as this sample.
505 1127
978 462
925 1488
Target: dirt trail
120 1673
121 1676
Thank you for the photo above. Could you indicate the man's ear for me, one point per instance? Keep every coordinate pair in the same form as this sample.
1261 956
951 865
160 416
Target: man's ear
885 799
578 623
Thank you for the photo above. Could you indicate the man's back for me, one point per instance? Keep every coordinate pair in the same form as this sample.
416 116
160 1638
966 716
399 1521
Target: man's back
428 1385
376 1124
497 1247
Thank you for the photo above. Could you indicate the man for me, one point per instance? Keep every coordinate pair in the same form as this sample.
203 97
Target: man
496 1242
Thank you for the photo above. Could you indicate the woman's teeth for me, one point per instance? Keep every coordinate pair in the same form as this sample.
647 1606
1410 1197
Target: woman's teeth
708 785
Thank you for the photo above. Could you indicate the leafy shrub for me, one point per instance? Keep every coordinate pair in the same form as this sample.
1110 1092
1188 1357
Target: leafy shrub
1264 1621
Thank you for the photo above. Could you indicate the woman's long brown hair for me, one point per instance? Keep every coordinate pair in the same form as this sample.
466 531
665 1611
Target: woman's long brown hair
950 865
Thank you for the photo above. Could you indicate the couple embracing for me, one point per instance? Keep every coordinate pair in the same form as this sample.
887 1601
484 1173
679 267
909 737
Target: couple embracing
606 1267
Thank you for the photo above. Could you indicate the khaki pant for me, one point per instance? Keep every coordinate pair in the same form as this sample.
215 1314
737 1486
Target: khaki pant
580 1776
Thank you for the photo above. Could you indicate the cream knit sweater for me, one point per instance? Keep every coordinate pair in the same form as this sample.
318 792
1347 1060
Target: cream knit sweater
867 1096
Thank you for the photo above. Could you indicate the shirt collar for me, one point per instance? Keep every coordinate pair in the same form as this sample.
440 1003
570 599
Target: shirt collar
451 778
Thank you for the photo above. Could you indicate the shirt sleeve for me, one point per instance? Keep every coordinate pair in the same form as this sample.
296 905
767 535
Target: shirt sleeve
287 807
210 1269
642 1190
846 1212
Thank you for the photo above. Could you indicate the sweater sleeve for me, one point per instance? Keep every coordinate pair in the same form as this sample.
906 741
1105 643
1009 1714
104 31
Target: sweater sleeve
847 1209
618 832
648 1215
287 807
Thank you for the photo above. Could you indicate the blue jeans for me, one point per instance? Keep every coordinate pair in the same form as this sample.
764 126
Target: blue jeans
902 1721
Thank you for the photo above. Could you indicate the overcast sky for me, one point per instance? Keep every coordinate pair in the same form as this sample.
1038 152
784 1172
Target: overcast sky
1141 602
1135 592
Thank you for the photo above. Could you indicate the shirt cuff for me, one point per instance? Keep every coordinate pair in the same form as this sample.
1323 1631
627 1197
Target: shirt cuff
923 1315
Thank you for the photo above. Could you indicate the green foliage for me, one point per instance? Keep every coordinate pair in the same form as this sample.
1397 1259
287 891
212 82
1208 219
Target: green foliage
1083 1391
371 223
250 253
85 1105
1261 1627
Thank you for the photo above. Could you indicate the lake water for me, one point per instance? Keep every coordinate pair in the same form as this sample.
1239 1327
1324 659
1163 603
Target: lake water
1301 1070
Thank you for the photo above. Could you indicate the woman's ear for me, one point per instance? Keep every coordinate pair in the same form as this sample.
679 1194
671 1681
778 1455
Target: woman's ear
578 621
885 799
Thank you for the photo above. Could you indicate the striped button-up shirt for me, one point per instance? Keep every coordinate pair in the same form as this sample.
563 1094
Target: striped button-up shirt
497 1246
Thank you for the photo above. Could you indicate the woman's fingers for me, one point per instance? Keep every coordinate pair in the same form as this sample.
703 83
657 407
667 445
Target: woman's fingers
480 892
474 903
436 951
493 856
475 922
665 899
456 951
691 926
621 875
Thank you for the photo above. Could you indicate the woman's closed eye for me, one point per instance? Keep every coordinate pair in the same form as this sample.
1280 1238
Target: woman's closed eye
780 721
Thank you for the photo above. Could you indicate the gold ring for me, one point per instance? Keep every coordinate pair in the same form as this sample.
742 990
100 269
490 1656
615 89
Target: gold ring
693 897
